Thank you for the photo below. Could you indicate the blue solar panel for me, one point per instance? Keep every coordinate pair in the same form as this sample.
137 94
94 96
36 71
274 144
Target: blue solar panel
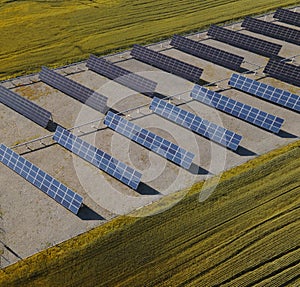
264 91
287 16
40 179
208 53
25 107
98 158
149 140
166 63
201 126
75 90
121 76
237 109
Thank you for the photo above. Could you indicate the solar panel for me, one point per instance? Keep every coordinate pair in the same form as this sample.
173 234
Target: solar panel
24 107
283 71
166 63
149 140
264 91
98 158
272 30
237 109
40 179
120 75
287 16
195 123
243 41
74 89
208 53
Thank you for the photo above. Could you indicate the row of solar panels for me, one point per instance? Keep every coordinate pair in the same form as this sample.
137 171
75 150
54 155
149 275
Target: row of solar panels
147 139
159 145
99 102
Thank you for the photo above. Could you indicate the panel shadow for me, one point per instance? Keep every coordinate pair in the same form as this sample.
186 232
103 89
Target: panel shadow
86 213
196 169
145 189
242 151
286 135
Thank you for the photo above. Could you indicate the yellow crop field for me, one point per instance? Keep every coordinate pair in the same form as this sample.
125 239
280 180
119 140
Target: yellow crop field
246 234
36 33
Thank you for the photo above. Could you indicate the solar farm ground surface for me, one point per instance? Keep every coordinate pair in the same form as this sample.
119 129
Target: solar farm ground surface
31 222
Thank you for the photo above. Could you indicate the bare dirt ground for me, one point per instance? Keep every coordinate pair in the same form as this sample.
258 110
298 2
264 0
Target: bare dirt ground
30 221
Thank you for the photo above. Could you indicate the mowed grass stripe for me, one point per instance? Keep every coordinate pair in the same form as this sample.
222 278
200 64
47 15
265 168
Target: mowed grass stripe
285 264
54 33
216 249
248 225
287 277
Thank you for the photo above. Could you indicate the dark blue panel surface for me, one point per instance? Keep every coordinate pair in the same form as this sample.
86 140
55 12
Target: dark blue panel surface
25 107
74 90
98 158
243 41
45 182
166 63
149 140
208 53
283 71
237 109
264 91
287 16
120 75
272 30
201 126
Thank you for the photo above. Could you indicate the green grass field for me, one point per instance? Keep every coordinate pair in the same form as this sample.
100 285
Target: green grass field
246 234
36 33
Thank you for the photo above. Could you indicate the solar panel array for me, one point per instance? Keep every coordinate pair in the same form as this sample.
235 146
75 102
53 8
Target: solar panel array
283 71
120 75
243 41
166 63
206 52
98 158
40 179
272 30
195 123
74 89
237 109
149 140
287 16
264 91
24 107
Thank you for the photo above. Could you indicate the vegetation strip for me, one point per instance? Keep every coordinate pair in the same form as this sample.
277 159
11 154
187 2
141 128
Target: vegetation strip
250 223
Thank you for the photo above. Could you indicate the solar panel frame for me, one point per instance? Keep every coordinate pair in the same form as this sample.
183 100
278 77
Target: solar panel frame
196 124
75 90
166 63
245 42
40 179
149 140
208 53
25 107
266 92
121 75
237 109
283 71
272 30
98 158
287 16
